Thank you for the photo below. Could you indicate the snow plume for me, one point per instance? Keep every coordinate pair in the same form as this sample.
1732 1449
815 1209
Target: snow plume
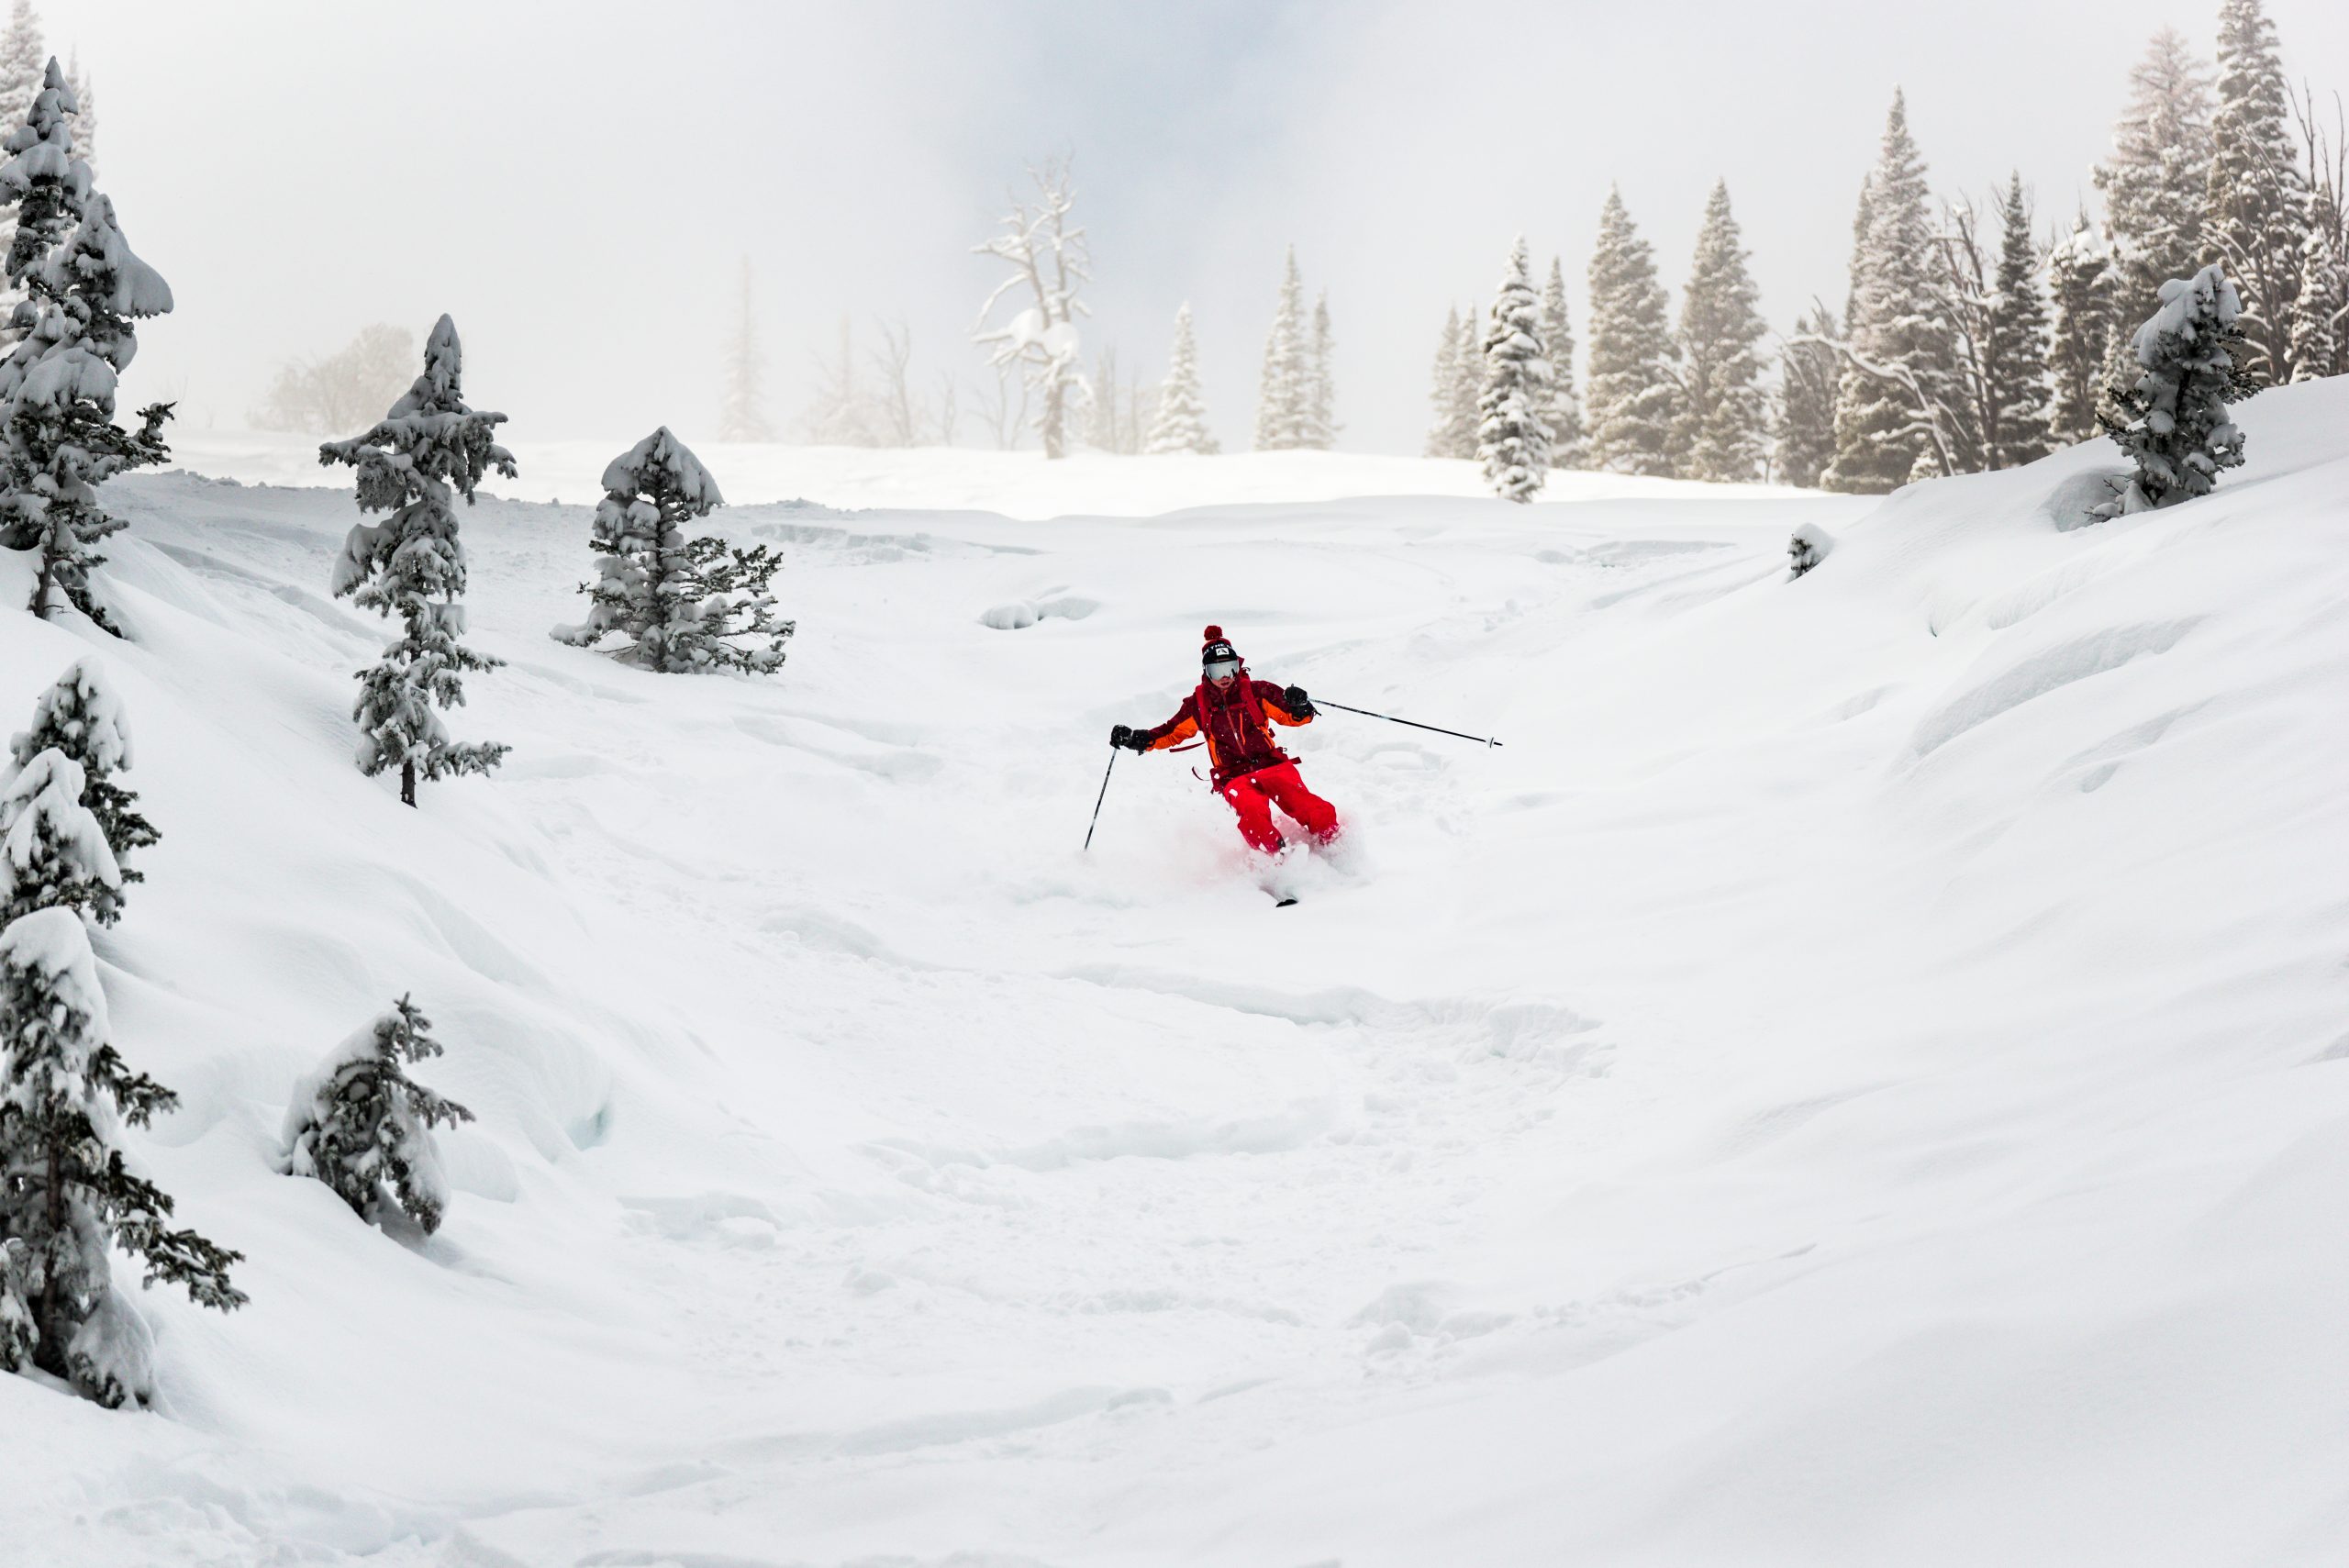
362 1126
428 450
680 602
65 1096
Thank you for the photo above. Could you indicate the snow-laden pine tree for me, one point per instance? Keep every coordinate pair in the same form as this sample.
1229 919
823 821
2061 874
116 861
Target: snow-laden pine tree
1181 424
1892 411
23 56
70 1190
2173 421
1562 413
1634 396
1320 412
53 854
743 413
85 118
1049 261
2015 375
427 451
363 1127
1724 413
2257 204
1443 379
83 287
81 717
1282 388
1512 437
2321 308
1468 380
681 600
2083 287
1809 368
2158 177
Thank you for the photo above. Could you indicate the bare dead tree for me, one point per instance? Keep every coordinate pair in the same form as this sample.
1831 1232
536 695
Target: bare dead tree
345 390
1050 259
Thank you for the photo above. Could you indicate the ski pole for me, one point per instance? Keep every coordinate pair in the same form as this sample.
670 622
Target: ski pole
1098 799
1325 702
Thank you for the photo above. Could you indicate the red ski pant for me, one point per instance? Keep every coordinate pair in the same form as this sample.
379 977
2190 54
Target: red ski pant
1254 795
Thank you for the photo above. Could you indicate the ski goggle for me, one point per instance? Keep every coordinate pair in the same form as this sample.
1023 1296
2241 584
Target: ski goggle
1221 669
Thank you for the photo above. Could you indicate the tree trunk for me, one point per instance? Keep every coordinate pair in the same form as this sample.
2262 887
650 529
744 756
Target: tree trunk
1055 416
407 784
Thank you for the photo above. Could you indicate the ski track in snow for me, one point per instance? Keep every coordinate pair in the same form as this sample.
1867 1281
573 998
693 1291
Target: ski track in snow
1702 1130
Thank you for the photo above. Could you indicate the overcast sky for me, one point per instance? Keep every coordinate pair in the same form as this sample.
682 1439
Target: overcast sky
576 183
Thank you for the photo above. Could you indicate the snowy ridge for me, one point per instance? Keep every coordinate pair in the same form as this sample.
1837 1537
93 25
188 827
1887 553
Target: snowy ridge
1857 1078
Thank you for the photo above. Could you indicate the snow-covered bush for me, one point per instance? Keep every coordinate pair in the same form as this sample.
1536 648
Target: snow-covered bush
82 717
2173 422
53 854
1512 440
679 601
428 450
83 287
71 1190
1807 547
359 1122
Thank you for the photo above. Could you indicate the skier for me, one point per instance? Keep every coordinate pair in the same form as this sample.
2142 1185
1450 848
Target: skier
1251 774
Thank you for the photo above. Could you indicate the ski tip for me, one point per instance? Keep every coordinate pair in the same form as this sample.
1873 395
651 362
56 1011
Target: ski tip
1283 902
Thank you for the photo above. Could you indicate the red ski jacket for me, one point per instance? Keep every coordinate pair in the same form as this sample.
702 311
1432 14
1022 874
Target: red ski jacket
1233 722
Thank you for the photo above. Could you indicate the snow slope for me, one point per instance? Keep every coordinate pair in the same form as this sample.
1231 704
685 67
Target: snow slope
1860 1077
949 479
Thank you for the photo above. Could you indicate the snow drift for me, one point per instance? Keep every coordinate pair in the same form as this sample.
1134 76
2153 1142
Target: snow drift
1858 1078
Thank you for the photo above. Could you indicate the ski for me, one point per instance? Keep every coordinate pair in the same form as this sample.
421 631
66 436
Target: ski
1281 903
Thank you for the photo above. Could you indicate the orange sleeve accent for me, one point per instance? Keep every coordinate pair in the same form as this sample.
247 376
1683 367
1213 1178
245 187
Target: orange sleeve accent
1185 728
1275 702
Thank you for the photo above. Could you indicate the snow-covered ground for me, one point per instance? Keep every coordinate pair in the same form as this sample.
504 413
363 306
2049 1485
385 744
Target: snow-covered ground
1859 1078
950 479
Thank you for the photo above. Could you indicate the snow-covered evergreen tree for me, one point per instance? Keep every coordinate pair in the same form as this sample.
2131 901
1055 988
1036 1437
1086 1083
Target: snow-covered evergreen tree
1569 447
2083 287
1634 395
1809 546
2015 375
2257 207
85 287
680 600
85 118
2173 422
53 853
1512 437
742 415
1893 408
2321 308
1468 380
2158 177
1283 388
1050 261
81 717
1182 422
1724 414
1443 380
428 450
363 1127
1808 370
70 1191
1321 422
23 56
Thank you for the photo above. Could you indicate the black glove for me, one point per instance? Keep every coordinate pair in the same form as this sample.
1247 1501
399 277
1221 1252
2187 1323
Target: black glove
1123 735
1299 703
